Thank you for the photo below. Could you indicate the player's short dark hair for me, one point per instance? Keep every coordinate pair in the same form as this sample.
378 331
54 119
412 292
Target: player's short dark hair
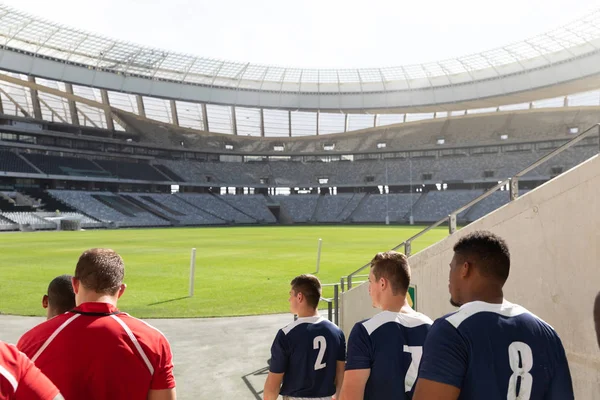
487 251
309 286
394 267
100 270
60 294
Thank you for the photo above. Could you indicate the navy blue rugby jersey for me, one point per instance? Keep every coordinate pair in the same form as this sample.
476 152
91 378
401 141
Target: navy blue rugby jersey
497 352
390 344
306 352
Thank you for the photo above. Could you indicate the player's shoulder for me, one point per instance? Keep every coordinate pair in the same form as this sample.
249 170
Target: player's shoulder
44 329
140 328
305 322
479 309
9 354
407 320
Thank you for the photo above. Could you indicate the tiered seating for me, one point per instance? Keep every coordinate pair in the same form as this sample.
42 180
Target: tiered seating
438 204
378 206
56 165
29 219
330 207
86 222
128 170
217 207
178 209
91 203
254 205
10 162
7 225
300 208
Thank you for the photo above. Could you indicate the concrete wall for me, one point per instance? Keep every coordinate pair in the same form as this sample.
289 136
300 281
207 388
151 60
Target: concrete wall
553 234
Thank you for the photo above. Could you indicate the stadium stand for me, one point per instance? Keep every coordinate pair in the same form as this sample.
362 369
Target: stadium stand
300 208
11 162
108 208
29 220
378 206
217 207
62 165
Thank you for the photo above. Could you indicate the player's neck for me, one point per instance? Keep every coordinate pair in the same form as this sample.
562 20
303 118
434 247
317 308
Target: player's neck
396 304
488 295
308 313
93 297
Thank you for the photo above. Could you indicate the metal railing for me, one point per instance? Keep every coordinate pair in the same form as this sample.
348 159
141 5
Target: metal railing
513 193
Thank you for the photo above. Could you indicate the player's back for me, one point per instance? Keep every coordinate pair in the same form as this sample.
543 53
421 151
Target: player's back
306 352
508 353
390 345
90 354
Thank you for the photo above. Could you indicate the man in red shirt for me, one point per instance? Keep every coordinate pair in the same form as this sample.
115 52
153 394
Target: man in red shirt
21 380
96 352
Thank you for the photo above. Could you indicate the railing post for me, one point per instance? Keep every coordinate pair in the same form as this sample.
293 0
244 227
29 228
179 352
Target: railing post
336 304
342 283
452 223
349 282
330 310
514 188
407 248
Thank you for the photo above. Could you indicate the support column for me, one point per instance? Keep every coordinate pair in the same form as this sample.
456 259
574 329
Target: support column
318 117
531 105
205 117
435 115
35 100
346 120
375 117
262 122
174 115
566 101
290 123
72 105
110 125
234 121
404 119
140 105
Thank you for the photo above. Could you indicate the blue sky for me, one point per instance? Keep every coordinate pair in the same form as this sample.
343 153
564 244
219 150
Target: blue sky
315 33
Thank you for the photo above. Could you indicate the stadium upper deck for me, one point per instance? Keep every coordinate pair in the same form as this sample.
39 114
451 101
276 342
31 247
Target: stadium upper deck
560 62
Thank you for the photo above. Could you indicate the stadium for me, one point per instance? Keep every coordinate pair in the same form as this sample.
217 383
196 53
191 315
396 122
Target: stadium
153 153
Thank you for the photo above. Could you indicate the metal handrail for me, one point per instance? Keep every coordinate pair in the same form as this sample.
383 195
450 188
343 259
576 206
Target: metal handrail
513 193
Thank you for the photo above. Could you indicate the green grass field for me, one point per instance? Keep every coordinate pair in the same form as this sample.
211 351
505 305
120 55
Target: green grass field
239 271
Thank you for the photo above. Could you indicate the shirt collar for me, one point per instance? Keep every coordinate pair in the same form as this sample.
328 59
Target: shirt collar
92 307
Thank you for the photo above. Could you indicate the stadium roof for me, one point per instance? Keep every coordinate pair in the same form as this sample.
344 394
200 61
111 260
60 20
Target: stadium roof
417 87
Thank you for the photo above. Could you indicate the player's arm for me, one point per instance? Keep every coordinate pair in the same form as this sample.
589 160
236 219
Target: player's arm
339 377
162 386
272 386
277 366
163 394
561 386
443 364
432 390
33 384
355 381
358 365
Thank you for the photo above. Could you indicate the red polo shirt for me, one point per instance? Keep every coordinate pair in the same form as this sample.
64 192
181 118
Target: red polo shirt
96 352
20 379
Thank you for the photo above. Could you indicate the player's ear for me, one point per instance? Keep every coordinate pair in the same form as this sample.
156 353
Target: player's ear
121 290
466 268
45 301
75 284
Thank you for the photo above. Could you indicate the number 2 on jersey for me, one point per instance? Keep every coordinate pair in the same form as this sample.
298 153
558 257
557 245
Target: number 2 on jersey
521 362
321 344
